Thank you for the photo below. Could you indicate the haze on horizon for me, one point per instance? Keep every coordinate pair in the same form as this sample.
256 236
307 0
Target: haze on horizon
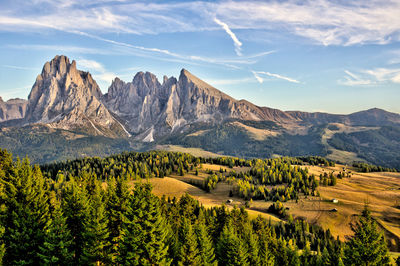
330 56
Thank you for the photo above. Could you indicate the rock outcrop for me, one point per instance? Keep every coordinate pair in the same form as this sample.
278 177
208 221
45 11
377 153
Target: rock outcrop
12 109
149 107
64 97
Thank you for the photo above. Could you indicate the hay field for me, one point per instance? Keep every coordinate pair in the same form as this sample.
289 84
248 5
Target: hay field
171 187
380 190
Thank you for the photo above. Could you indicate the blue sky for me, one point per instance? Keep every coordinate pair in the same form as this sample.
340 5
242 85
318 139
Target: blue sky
332 56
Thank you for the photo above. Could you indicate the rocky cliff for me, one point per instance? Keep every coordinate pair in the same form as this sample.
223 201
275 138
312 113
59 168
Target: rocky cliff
64 97
12 109
156 109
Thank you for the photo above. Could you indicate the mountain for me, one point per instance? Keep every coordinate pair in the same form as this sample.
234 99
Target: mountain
66 98
158 109
12 109
185 111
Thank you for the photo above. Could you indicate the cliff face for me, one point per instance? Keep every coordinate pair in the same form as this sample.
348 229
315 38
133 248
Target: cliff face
64 97
152 108
12 109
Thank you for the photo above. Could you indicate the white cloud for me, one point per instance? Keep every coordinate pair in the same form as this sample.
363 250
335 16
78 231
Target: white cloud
258 78
371 77
20 67
99 72
61 48
278 76
106 77
237 43
323 21
353 76
352 79
90 65
385 74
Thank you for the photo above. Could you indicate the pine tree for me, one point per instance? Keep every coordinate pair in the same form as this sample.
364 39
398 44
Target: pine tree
251 243
144 230
205 244
75 206
325 257
116 207
189 253
367 246
265 247
25 212
281 253
230 248
58 241
98 248
265 255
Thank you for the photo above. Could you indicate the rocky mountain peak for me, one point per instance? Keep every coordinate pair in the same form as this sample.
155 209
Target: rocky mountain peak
146 83
165 79
185 77
59 65
67 98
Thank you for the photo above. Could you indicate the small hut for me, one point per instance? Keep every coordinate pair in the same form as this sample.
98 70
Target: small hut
335 201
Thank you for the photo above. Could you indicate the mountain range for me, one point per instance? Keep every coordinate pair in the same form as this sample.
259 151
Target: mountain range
145 113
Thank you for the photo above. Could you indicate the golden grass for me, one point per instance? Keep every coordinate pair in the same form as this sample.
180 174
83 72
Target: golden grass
381 190
339 155
171 187
194 151
256 133
198 133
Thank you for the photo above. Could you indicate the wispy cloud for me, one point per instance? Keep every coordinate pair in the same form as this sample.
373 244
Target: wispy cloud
90 65
352 79
258 78
371 77
61 48
236 42
324 22
103 76
20 67
385 74
278 76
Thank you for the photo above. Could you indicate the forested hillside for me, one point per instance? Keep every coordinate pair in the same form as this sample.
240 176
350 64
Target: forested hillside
84 212
43 144
379 146
230 139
